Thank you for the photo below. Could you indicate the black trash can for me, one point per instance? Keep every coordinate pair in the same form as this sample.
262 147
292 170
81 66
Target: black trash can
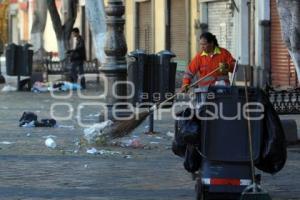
19 60
11 59
152 75
25 66
137 77
167 74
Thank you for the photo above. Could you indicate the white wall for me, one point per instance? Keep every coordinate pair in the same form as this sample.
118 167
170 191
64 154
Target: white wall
262 13
242 32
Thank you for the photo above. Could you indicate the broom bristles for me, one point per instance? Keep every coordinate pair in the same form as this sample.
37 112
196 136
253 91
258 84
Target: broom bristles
125 127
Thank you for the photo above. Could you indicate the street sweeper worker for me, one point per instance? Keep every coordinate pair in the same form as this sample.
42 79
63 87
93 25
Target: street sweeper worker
210 57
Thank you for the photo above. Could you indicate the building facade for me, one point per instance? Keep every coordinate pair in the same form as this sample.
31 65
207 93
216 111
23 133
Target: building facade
155 25
249 29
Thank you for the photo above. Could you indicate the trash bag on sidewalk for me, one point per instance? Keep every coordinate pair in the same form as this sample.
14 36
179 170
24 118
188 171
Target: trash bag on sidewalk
273 153
30 119
46 123
27 118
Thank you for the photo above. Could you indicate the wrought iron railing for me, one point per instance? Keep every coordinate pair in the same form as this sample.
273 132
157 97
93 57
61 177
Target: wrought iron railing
61 67
285 101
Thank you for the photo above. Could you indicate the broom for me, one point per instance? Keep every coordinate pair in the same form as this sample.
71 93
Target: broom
122 128
253 191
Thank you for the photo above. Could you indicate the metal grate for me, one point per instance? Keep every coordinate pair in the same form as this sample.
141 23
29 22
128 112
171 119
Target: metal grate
285 101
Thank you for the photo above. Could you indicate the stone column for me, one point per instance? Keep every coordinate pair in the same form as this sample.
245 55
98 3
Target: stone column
115 66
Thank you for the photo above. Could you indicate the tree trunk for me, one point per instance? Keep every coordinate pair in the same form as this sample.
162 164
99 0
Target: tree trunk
37 30
289 14
96 17
3 24
63 31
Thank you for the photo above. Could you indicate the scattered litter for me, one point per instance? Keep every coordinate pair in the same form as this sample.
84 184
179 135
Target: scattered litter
66 126
81 107
8 88
46 123
154 142
157 137
50 136
50 143
94 115
85 166
7 143
29 120
28 134
77 147
69 86
39 87
29 124
97 130
106 152
134 143
127 156
147 127
170 134
94 151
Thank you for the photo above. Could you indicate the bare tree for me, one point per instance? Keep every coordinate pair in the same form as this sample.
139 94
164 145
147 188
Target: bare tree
96 17
38 28
3 24
63 30
289 14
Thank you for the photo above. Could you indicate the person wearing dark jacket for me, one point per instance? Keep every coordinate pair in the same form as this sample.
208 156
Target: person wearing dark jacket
77 58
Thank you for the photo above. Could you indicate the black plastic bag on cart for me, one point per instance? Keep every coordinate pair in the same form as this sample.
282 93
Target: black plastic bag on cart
187 131
273 153
192 161
188 127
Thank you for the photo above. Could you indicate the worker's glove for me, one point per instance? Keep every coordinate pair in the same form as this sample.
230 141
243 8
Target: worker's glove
224 68
185 88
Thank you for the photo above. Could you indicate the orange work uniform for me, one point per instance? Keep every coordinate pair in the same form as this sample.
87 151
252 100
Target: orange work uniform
203 64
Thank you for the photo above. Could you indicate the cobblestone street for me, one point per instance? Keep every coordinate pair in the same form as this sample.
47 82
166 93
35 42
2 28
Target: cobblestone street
30 170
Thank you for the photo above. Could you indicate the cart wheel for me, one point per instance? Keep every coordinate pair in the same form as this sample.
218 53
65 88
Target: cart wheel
199 190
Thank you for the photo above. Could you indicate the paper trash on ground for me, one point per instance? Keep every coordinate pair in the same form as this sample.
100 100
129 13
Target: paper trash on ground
102 152
7 143
170 134
8 88
50 143
91 133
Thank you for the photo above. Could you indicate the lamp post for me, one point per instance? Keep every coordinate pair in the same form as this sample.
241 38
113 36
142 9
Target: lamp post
115 67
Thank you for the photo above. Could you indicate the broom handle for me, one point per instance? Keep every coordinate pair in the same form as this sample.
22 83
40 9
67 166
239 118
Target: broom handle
155 107
249 130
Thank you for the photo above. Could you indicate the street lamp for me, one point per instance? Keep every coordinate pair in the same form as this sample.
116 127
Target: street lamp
115 67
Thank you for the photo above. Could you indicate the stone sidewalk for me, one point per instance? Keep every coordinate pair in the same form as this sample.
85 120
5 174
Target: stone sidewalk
30 170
